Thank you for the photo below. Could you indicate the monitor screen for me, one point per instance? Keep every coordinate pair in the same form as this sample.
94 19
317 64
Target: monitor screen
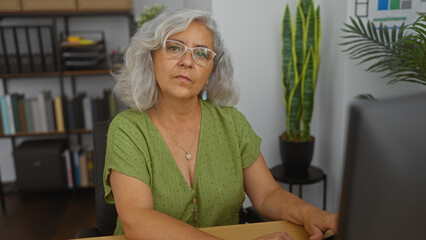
384 185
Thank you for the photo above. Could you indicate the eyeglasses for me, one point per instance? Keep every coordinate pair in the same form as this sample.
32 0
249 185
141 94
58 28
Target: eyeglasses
200 55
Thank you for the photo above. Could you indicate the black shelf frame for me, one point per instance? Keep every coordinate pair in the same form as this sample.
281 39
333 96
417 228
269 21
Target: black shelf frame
60 74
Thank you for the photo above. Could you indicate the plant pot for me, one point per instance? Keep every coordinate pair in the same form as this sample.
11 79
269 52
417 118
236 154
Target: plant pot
296 155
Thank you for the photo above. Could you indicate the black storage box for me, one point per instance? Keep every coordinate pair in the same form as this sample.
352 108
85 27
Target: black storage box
40 165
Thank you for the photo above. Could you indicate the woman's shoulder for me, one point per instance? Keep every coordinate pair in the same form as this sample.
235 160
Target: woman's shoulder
129 118
226 110
223 111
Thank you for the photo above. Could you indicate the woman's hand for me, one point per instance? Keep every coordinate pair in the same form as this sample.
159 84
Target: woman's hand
317 222
275 236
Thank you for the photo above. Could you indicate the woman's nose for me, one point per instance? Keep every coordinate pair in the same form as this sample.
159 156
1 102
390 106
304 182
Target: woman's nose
186 59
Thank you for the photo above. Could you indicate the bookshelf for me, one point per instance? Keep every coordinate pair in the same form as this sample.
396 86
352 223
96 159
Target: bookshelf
60 72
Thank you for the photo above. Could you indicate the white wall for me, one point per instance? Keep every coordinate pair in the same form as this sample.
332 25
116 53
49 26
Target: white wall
251 31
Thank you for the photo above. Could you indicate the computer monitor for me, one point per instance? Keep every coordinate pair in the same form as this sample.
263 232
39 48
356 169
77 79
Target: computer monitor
384 186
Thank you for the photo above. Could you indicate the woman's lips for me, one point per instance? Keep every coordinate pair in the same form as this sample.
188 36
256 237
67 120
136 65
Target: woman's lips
183 77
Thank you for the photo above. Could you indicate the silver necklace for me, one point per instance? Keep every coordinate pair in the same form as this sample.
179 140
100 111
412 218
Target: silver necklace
188 155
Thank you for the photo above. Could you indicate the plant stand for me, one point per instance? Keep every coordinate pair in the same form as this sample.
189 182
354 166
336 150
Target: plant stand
312 175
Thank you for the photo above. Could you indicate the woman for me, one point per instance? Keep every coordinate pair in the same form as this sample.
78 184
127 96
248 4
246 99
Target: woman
176 162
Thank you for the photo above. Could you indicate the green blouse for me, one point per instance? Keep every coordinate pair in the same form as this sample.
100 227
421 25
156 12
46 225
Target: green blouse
227 144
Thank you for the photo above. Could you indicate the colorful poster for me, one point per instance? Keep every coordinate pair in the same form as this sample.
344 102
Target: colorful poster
389 12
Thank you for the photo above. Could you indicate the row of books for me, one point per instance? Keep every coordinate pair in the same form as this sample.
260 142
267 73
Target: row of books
46 114
79 167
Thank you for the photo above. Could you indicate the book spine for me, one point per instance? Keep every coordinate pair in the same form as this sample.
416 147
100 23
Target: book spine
36 116
68 168
29 115
22 115
112 105
90 167
49 115
5 115
70 114
41 101
76 159
83 170
59 115
10 114
14 105
1 124
87 109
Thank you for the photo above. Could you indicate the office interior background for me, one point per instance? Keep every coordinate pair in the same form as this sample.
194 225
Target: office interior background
252 33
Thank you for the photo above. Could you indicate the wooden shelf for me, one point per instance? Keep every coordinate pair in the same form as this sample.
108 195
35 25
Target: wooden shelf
65 13
29 134
80 131
55 74
87 72
27 75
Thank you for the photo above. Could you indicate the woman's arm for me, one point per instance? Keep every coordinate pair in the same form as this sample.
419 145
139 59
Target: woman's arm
275 203
133 200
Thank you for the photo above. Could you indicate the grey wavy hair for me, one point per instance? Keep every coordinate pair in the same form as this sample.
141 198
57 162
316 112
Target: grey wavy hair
136 84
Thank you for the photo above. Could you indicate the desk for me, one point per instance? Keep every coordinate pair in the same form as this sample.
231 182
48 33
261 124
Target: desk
243 231
312 175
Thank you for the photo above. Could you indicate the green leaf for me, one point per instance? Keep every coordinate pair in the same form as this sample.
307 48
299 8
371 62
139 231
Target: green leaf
307 94
299 38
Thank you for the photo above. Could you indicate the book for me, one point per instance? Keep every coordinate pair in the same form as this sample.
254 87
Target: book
41 101
1 124
14 97
68 168
105 105
76 161
84 175
112 105
59 114
90 167
36 115
94 110
87 111
10 114
5 115
70 114
51 127
22 116
78 111
29 115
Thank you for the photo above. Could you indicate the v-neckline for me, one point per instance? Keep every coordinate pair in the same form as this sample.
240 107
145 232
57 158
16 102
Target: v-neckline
172 159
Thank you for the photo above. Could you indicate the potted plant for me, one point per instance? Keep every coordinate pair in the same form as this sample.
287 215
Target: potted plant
401 55
150 13
300 63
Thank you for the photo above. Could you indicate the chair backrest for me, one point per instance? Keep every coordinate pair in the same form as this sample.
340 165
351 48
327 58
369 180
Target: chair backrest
106 214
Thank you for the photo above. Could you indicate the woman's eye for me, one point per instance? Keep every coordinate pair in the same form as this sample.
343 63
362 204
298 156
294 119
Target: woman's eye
202 53
174 48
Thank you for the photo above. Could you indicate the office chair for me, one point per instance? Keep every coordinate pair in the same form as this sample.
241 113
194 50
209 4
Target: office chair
106 214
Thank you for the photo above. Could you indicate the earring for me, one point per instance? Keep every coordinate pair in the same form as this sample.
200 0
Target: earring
204 94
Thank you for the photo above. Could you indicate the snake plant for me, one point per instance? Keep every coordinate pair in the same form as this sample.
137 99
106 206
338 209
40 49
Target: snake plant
402 55
300 63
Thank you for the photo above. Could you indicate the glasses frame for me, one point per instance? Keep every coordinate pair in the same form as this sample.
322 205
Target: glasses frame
192 52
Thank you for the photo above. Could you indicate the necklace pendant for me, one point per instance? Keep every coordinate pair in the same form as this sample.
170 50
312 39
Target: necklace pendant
188 156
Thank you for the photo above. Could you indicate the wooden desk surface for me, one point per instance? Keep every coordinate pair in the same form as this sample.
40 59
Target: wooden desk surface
243 231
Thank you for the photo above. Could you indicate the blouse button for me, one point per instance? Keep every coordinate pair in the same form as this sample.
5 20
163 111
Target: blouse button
194 200
196 219
195 210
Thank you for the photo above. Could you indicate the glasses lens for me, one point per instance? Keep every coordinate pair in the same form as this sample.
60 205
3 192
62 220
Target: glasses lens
174 49
202 55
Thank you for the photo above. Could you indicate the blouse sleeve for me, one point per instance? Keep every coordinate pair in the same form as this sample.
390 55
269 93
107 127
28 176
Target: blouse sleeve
126 153
248 140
